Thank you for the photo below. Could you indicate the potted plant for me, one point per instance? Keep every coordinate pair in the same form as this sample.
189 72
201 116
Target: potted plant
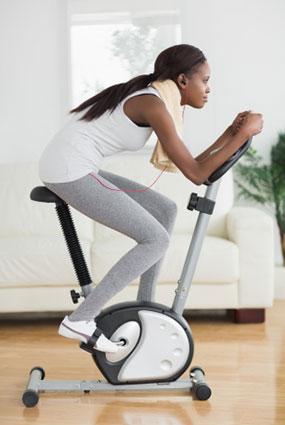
265 183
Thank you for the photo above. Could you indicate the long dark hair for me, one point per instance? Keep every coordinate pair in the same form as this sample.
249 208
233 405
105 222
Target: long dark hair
181 58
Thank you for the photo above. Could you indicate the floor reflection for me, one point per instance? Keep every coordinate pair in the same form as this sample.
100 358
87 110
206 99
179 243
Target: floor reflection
156 412
280 382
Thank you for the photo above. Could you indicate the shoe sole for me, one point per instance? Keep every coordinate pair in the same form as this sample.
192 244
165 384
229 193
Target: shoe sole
64 330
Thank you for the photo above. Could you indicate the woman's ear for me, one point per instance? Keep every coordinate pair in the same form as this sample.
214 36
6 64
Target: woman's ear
182 80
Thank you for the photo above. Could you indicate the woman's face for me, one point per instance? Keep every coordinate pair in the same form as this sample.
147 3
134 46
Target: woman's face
195 89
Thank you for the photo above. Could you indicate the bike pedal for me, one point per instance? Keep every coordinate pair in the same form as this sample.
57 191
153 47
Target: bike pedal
87 347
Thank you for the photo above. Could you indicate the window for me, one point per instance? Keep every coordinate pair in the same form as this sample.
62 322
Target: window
112 47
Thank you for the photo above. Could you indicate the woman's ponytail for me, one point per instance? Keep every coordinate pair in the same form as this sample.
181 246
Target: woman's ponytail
111 96
181 58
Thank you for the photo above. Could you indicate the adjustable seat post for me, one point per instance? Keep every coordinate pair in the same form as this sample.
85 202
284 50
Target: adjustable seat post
73 245
43 194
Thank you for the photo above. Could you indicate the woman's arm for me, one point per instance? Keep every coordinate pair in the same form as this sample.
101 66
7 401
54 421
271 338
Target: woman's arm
216 146
232 130
158 117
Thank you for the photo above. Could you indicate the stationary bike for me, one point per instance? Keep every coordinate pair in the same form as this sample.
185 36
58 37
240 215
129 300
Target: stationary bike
156 344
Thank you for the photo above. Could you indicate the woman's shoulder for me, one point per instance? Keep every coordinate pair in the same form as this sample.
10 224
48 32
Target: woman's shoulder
153 90
146 90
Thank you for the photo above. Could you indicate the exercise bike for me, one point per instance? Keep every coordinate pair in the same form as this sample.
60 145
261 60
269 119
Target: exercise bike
156 341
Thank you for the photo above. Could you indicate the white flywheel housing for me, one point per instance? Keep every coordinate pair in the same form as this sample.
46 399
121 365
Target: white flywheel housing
162 350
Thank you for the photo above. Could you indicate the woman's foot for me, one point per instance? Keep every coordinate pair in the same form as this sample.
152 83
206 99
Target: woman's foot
83 330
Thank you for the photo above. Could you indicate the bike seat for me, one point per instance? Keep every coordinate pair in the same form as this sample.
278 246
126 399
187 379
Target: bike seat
43 194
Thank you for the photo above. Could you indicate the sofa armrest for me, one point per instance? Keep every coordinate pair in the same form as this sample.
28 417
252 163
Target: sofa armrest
252 230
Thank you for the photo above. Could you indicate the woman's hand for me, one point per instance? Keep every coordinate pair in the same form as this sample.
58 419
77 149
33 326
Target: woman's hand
238 122
251 123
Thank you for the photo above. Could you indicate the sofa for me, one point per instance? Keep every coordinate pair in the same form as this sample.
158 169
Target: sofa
235 271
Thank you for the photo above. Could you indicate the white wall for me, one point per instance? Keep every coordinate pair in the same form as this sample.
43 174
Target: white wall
32 76
241 39
244 43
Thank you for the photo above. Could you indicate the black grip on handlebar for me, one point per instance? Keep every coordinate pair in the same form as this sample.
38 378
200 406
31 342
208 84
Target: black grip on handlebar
228 164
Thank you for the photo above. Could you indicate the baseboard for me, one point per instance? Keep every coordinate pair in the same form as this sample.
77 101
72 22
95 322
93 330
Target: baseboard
279 292
33 315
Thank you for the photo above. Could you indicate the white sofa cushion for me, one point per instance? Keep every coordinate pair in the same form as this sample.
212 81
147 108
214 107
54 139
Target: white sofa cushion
218 263
20 216
38 261
175 186
252 230
36 272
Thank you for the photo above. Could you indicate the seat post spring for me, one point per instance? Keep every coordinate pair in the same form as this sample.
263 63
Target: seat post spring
73 244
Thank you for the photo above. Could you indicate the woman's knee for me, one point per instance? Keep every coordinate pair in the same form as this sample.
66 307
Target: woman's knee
173 209
159 240
170 213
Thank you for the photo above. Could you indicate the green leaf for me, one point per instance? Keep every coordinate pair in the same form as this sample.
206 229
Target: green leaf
264 183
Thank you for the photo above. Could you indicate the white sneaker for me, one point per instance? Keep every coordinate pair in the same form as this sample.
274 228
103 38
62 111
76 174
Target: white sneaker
83 330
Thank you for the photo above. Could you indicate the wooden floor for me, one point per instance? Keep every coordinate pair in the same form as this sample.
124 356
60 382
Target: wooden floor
244 364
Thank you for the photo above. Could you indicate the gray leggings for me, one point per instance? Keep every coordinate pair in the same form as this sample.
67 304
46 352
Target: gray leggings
146 216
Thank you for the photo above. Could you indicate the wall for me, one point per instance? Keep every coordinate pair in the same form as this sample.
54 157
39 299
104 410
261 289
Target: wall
242 41
32 76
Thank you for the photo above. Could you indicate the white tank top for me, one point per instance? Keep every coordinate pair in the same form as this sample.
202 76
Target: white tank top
81 146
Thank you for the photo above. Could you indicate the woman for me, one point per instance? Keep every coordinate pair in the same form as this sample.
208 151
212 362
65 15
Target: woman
122 117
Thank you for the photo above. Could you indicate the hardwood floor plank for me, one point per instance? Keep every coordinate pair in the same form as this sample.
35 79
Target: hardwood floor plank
244 365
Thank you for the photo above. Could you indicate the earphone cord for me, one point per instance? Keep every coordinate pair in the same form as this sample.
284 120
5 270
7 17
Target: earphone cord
129 190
